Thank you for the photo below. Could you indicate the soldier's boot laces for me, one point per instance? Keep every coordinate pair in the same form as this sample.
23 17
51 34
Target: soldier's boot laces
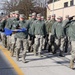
71 64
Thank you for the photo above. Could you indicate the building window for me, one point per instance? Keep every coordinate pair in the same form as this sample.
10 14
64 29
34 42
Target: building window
66 4
51 1
71 2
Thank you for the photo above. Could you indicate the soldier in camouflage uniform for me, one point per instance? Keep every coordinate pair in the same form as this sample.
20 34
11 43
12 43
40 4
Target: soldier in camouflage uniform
47 23
66 23
8 26
22 38
58 32
31 37
44 39
51 44
71 34
39 30
67 43
3 24
13 39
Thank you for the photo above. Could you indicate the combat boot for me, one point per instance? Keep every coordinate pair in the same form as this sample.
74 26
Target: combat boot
71 64
34 52
61 54
39 54
23 58
53 49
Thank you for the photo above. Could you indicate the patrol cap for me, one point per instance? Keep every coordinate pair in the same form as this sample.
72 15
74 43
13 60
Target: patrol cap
34 14
22 16
53 15
16 12
67 16
59 17
38 15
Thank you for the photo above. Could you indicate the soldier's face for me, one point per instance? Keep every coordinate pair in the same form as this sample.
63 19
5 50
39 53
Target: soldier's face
38 18
42 18
22 19
13 15
16 15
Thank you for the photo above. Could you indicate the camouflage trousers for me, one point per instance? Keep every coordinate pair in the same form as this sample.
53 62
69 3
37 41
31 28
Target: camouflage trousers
38 43
30 42
20 42
4 39
60 44
43 45
73 50
8 42
49 38
46 41
13 44
13 38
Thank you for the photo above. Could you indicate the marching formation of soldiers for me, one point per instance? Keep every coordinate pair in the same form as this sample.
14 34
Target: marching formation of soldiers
38 34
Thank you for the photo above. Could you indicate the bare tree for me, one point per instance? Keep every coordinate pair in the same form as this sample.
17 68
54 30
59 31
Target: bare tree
25 6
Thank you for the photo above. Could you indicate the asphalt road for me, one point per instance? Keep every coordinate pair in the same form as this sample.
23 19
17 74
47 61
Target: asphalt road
5 66
48 64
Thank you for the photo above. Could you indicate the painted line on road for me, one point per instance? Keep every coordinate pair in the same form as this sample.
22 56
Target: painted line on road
12 62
